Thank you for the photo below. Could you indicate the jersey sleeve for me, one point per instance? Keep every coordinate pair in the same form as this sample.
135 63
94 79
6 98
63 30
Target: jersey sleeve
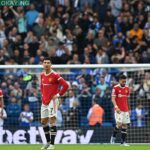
114 93
1 93
41 85
63 83
128 91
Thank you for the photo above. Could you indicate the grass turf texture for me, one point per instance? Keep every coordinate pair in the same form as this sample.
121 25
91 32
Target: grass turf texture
77 147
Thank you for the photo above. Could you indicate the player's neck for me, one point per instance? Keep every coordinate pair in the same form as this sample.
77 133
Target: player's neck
121 86
48 71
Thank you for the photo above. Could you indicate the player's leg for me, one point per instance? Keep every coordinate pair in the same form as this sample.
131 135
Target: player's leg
126 121
53 129
45 124
52 119
118 119
124 134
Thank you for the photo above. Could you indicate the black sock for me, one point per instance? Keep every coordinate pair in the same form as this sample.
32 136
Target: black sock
47 134
123 135
115 132
53 134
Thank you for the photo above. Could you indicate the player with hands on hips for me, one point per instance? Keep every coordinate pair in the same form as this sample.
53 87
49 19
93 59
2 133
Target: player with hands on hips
52 87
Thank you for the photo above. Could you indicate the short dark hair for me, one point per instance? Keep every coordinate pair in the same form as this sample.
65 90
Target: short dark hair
122 76
47 58
95 100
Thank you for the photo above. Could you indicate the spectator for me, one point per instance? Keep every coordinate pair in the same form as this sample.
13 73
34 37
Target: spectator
62 53
68 40
31 16
75 59
136 31
107 106
97 97
39 28
95 115
45 7
17 57
75 87
26 116
71 99
21 21
101 8
101 40
102 85
73 117
101 56
13 110
2 35
85 99
116 6
88 56
138 116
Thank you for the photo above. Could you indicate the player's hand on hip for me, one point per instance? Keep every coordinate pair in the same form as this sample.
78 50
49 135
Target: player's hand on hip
57 100
129 112
56 96
118 110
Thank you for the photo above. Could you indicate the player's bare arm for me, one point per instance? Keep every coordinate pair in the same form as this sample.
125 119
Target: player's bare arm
115 105
2 101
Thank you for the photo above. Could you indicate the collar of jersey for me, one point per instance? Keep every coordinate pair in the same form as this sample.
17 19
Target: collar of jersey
48 73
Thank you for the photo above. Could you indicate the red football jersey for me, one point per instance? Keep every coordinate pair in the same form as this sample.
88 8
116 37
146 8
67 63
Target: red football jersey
50 86
121 94
1 93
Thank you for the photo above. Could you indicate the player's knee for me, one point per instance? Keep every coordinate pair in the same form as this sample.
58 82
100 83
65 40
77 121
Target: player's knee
44 121
119 126
124 126
53 120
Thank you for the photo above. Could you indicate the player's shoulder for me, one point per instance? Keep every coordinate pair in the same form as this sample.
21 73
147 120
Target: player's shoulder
116 86
127 87
55 73
42 73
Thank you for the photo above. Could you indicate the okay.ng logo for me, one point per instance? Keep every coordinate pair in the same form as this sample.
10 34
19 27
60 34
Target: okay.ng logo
14 2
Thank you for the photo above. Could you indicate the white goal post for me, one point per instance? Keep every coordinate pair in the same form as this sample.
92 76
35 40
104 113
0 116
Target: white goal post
79 66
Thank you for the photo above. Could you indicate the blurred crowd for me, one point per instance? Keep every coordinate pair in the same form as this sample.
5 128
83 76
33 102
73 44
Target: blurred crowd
89 88
76 32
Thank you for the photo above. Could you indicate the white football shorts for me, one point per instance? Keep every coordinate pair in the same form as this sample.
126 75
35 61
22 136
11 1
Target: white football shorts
123 117
48 111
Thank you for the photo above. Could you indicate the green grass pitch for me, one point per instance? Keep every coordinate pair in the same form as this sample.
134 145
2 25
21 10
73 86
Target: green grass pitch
77 147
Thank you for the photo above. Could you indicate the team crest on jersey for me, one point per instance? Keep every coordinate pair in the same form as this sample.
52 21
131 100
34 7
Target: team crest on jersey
126 91
50 79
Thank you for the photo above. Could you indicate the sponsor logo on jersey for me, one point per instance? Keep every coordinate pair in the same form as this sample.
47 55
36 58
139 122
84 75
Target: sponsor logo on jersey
120 95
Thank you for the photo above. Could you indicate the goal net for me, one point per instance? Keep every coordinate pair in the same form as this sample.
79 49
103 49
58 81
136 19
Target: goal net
20 115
